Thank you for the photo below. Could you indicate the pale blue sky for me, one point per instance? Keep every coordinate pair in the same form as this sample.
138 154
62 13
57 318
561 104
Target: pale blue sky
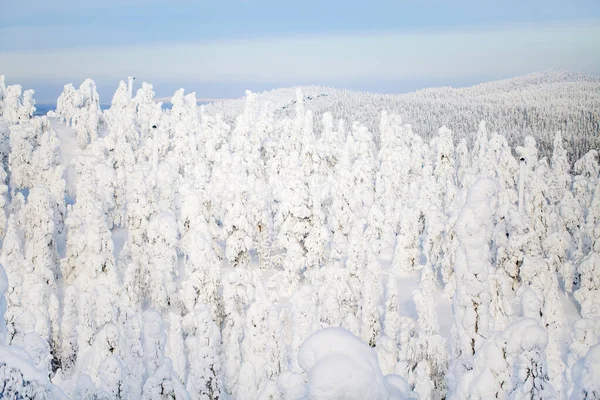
219 48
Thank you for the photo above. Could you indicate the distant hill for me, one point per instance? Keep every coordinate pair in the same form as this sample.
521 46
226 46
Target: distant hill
538 104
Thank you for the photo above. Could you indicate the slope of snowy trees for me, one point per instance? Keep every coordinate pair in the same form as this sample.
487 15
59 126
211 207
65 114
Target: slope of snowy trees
538 104
266 248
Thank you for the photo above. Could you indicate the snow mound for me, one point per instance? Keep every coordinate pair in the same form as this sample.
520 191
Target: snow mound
340 366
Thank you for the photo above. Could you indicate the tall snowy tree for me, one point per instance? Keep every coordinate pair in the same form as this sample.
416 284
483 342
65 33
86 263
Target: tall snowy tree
471 300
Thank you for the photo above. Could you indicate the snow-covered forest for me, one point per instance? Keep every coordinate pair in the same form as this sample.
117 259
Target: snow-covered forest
304 243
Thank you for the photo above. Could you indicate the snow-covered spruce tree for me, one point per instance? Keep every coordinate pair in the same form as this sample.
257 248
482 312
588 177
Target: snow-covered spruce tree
201 280
69 349
161 381
585 190
391 321
217 133
501 311
421 171
538 209
163 269
472 298
132 347
377 235
428 356
19 320
331 141
67 103
238 229
90 276
24 368
407 253
512 239
355 264
434 236
335 296
100 369
48 169
147 111
444 168
261 220
363 169
167 179
35 159
570 217
118 147
588 293
89 241
175 347
447 250
141 208
294 215
341 217
237 294
510 364
480 164
261 345
557 249
229 187
539 294
185 128
499 154
99 341
17 108
372 295
587 171
317 252
120 118
203 349
463 164
560 179
244 126
39 286
253 128
328 151
80 108
304 320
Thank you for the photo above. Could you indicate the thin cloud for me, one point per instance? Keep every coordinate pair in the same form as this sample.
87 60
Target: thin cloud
501 50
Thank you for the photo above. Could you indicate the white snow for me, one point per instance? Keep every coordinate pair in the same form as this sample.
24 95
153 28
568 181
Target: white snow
304 243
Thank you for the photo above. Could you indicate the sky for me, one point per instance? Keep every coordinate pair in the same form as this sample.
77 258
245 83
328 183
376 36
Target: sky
220 48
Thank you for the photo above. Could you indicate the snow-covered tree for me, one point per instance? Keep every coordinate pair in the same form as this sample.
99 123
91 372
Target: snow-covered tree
588 294
237 294
39 286
23 366
372 295
162 381
521 348
203 349
304 321
16 107
80 108
471 301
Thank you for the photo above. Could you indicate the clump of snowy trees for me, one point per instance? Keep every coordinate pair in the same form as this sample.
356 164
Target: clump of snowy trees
289 254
